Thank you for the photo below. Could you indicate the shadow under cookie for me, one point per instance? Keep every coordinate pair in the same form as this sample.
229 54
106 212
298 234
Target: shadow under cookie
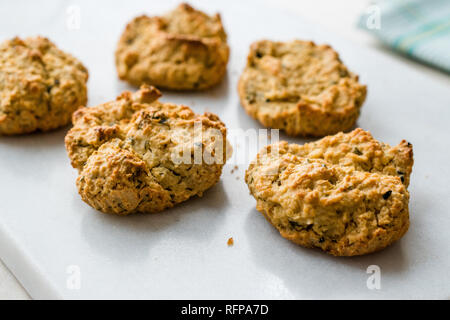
132 237
340 276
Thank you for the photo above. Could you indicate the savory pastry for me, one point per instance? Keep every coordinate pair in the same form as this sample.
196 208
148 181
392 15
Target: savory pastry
345 194
40 86
183 50
301 88
137 154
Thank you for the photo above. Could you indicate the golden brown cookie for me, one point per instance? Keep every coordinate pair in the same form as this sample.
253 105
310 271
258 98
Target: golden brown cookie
40 86
183 50
301 88
137 154
345 194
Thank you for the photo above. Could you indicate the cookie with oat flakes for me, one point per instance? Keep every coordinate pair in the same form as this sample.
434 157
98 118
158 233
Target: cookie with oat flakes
301 88
137 154
183 50
40 86
345 194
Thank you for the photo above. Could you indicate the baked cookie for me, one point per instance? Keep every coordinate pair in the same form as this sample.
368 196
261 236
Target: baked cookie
40 86
137 154
301 88
183 50
345 194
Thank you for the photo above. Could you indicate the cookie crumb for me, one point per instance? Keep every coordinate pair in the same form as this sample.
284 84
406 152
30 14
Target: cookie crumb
230 242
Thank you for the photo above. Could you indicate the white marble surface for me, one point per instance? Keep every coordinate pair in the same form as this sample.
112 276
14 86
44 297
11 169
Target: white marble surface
10 288
337 16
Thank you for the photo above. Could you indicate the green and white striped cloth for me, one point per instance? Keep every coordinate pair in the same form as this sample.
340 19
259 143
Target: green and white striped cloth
418 28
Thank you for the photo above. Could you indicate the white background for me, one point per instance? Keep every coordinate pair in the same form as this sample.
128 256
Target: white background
337 16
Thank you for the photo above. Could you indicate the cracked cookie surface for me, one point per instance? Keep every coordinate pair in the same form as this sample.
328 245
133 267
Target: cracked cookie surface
345 194
182 50
40 86
301 88
137 154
